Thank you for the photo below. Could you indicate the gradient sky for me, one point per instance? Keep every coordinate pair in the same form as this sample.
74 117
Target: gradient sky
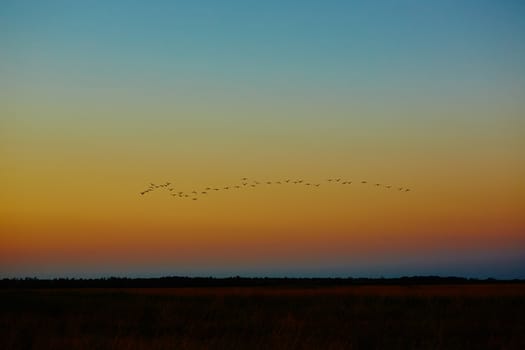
99 98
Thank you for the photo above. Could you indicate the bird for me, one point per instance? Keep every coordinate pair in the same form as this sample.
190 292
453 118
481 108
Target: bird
194 194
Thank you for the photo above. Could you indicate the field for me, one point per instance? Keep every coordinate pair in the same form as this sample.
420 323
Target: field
475 316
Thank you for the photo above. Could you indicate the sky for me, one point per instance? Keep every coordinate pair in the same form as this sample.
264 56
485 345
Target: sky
99 99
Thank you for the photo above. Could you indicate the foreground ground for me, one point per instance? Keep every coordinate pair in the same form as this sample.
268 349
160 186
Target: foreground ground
350 317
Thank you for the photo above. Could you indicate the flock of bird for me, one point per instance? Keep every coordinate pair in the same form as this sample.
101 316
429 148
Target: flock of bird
250 183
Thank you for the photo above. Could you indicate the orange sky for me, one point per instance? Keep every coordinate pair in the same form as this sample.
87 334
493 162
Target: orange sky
94 108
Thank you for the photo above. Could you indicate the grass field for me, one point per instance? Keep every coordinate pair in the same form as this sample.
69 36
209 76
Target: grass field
351 317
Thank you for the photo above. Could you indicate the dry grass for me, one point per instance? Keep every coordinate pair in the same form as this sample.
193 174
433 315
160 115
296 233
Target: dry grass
356 317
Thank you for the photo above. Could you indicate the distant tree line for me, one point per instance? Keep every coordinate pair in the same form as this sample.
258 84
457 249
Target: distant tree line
237 281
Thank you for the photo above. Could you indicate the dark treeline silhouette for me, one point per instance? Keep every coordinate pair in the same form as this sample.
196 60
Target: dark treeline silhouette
237 281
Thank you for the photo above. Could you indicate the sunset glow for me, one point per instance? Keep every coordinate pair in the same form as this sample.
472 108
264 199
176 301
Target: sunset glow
100 99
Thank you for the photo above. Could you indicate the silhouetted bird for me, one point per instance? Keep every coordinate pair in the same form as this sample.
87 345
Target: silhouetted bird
363 182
